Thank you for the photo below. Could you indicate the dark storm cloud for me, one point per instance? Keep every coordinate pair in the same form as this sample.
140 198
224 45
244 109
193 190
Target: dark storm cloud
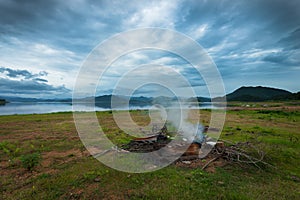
18 11
292 41
27 83
26 18
194 84
276 58
245 24
29 87
290 50
282 15
250 39
68 24
192 75
40 80
16 73
286 58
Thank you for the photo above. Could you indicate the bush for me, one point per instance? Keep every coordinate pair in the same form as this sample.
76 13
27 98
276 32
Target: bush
10 150
30 161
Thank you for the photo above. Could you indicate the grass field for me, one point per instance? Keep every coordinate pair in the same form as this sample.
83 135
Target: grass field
66 171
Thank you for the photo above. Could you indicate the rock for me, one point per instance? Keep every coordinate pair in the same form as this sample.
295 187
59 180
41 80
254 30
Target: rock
220 145
211 143
295 178
97 179
220 182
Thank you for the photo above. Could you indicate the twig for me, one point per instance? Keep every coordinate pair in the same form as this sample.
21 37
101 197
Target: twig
236 152
212 160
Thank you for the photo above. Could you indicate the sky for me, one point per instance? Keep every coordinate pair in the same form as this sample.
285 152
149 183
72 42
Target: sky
43 44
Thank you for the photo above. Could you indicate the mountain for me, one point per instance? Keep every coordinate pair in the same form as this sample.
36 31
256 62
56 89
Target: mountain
104 101
259 93
295 96
19 99
137 101
199 99
31 100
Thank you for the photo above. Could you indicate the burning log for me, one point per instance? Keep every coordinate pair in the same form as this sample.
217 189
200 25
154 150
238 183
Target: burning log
152 138
149 143
158 137
218 154
193 149
160 140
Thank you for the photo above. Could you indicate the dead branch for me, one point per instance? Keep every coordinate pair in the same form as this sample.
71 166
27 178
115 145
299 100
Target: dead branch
209 162
236 152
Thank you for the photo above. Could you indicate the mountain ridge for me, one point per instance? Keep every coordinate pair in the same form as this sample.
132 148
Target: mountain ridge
259 93
244 93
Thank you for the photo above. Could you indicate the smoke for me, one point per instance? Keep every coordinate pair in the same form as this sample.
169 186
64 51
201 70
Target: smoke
178 116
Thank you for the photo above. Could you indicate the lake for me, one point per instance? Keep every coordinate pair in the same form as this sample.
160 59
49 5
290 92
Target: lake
39 108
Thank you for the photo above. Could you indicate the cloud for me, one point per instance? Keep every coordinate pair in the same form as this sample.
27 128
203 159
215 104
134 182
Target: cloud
199 31
291 41
40 80
17 73
154 14
16 81
10 87
256 39
287 58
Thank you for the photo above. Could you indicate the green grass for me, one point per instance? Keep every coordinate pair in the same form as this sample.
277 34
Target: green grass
71 175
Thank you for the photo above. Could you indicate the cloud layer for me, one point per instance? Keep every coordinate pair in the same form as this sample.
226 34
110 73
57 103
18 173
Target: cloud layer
25 84
252 42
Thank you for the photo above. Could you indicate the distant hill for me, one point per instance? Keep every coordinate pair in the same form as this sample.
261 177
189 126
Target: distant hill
30 100
249 94
260 93
18 99
295 96
104 101
199 99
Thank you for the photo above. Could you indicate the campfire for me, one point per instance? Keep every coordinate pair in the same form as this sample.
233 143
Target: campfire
163 137
215 152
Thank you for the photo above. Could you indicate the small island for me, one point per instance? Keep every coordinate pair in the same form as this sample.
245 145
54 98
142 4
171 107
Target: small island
2 102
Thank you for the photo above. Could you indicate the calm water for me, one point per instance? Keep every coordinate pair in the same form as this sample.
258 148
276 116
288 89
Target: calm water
38 108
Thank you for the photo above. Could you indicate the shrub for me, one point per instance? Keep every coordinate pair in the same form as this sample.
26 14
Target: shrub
11 150
30 161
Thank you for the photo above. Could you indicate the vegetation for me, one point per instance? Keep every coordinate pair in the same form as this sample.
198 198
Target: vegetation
30 161
2 102
10 150
66 171
258 94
